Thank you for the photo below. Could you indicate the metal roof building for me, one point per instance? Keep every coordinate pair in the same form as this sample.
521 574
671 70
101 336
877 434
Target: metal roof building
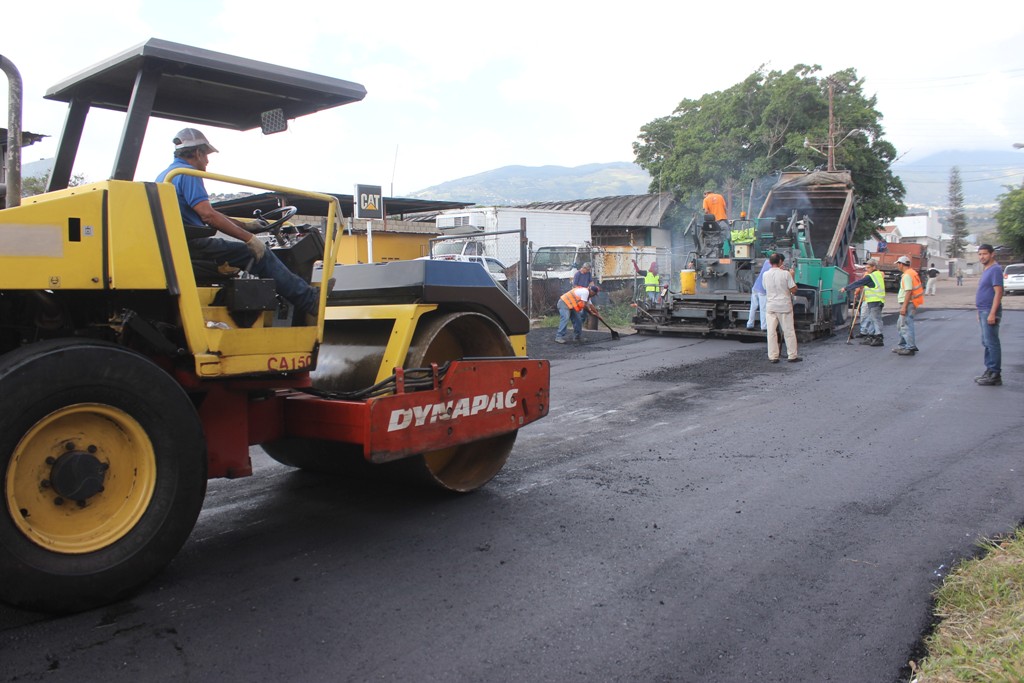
640 219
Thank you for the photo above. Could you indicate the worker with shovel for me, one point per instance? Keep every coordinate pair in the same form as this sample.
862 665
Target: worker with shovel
571 306
872 302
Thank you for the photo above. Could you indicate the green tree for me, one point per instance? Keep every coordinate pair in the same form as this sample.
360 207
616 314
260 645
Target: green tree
957 216
1010 219
37 184
741 135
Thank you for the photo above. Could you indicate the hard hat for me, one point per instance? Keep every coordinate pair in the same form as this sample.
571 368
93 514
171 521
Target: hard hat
905 260
188 138
873 262
594 288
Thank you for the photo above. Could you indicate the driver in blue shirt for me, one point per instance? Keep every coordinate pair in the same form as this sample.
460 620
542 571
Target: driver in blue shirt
192 150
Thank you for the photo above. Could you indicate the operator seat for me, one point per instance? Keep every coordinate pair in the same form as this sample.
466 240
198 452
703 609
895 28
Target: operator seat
208 272
245 299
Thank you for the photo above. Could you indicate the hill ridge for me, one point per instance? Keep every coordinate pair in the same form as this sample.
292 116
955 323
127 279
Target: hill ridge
985 175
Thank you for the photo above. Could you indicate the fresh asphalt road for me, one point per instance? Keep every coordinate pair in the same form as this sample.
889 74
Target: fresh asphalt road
687 512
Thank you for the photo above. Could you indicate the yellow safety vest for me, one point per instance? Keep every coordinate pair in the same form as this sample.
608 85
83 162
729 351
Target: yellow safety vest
742 236
877 291
651 282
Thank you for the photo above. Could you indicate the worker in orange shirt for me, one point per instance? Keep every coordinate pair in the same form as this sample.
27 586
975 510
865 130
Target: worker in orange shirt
714 204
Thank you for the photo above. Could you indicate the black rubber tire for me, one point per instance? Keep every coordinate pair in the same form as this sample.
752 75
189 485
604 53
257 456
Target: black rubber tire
41 380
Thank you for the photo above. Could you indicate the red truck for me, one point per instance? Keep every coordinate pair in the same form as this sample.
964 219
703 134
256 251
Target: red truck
917 253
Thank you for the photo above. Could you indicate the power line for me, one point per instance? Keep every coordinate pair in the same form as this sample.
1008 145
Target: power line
964 180
943 81
964 170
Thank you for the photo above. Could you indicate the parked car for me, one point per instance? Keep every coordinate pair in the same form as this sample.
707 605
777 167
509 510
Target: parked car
495 268
1013 278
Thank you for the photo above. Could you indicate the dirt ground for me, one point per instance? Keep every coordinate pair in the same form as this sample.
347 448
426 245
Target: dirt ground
948 295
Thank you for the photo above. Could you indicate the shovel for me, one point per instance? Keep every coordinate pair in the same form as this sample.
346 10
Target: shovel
856 312
615 335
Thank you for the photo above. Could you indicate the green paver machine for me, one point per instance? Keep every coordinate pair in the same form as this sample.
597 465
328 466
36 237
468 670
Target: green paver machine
808 217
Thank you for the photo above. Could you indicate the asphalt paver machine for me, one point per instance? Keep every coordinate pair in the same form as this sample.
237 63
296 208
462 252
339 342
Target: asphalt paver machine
808 217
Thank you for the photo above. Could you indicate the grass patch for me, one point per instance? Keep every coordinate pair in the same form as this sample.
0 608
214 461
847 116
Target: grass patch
619 315
981 607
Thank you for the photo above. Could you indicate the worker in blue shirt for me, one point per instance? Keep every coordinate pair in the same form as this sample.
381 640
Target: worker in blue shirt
583 278
192 151
758 298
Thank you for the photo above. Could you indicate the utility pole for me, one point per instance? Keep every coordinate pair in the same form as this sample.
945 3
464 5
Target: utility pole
830 144
831 127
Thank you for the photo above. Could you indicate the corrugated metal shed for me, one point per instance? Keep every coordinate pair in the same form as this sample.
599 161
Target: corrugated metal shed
628 211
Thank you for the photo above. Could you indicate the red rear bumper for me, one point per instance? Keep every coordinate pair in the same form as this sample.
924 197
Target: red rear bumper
475 399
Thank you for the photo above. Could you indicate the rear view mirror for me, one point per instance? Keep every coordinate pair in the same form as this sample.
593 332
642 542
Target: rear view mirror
273 121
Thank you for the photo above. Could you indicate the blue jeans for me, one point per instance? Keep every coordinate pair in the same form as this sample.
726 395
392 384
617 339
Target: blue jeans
905 326
990 340
757 303
871 318
288 284
565 314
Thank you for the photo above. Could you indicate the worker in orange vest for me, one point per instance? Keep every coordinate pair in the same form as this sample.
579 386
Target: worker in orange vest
910 298
571 306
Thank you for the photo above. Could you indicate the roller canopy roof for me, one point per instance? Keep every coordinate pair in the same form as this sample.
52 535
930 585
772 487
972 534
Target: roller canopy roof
205 87
243 207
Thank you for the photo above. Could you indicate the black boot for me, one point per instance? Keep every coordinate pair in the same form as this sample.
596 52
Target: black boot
993 380
878 340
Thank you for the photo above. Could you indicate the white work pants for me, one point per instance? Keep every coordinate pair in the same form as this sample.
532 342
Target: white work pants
788 331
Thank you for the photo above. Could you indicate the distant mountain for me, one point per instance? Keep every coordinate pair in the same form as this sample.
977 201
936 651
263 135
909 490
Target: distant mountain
985 175
512 185
41 168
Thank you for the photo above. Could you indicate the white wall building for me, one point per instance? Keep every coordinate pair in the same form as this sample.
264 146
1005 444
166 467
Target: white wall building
923 229
889 233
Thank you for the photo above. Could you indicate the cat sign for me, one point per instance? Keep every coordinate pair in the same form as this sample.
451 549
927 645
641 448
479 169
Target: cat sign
369 203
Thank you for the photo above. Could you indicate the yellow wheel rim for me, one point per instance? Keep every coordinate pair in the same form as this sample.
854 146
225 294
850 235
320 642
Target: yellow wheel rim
81 478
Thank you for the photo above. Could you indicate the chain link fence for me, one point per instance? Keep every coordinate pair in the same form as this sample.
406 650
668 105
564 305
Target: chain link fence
537 291
502 254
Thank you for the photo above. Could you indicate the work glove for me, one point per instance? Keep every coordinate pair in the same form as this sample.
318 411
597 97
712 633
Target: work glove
256 248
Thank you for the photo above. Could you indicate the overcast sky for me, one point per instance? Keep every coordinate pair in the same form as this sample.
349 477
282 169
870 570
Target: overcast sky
456 88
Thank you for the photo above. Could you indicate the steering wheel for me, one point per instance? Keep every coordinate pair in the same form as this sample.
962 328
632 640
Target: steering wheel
278 216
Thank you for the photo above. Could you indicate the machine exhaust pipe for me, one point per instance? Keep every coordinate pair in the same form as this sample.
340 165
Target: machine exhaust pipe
13 190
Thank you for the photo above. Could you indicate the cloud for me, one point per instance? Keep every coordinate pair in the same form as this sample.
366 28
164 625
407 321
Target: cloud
460 87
